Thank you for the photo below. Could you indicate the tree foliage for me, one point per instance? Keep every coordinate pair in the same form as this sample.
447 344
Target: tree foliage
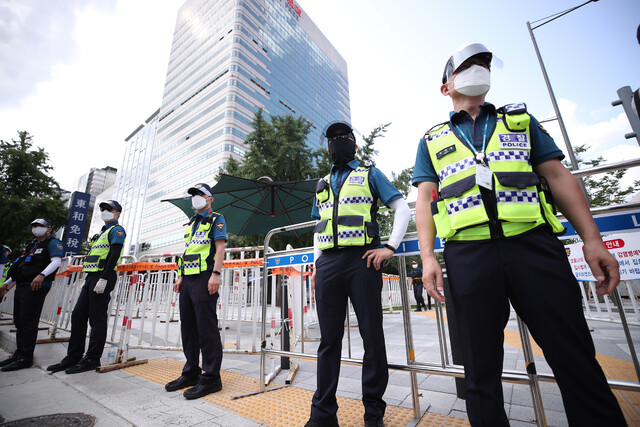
27 191
604 189
276 150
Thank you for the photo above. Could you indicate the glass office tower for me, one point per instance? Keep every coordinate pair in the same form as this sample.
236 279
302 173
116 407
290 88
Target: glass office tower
229 58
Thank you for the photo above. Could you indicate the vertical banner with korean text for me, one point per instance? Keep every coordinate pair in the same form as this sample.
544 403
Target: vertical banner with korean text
78 210
624 247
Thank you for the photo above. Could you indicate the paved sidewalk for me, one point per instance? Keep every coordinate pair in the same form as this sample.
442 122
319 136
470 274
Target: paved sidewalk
135 396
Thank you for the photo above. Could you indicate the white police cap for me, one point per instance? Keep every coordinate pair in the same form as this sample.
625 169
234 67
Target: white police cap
461 55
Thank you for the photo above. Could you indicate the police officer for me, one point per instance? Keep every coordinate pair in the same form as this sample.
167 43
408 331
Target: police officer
33 273
416 282
5 251
100 266
490 172
199 279
347 265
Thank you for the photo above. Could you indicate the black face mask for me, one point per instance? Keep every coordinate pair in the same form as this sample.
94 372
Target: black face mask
342 150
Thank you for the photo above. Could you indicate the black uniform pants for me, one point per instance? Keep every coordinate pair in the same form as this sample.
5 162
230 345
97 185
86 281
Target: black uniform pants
27 306
199 328
91 307
417 293
340 274
531 271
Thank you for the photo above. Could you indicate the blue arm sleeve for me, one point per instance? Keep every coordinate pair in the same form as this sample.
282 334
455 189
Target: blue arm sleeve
117 235
315 213
381 187
55 248
423 169
219 229
543 147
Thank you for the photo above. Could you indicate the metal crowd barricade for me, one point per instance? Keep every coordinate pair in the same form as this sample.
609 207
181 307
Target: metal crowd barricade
407 248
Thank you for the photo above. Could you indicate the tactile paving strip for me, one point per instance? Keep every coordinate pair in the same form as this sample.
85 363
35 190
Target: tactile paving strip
284 407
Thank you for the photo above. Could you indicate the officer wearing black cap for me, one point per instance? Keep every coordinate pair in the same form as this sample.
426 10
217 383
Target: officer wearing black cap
100 266
199 278
347 266
33 272
484 182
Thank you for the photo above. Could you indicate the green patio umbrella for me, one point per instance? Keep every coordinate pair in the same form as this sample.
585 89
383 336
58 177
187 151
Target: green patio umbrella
253 207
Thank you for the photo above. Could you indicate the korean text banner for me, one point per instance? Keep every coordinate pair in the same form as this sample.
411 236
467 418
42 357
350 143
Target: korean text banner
624 247
78 208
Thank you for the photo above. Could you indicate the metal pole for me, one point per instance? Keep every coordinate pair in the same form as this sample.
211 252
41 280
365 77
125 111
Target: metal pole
534 385
623 319
572 157
408 335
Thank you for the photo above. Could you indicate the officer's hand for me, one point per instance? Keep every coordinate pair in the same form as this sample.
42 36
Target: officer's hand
377 256
312 279
100 285
214 283
604 267
177 284
37 282
432 272
3 291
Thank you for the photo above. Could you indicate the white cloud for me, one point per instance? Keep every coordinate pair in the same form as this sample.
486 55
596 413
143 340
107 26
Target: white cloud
604 138
81 113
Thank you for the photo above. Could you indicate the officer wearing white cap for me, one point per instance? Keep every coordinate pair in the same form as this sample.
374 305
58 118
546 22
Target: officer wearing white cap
33 273
484 181
199 278
347 265
100 266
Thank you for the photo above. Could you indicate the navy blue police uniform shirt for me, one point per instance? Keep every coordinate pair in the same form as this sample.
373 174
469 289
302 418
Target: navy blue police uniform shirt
117 234
543 147
380 185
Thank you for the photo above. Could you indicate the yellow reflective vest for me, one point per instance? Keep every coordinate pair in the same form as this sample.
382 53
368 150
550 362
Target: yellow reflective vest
198 247
98 251
347 218
522 199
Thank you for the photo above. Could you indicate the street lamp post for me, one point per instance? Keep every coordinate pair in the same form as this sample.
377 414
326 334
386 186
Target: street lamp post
563 130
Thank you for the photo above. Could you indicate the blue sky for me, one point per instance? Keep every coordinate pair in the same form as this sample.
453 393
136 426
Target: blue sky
91 71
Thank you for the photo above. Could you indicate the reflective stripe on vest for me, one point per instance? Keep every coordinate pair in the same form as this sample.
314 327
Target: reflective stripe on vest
349 219
95 259
515 185
197 246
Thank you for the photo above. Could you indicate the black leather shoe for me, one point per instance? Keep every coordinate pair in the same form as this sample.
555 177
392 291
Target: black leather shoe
67 362
312 423
8 361
371 420
17 364
201 390
182 382
83 366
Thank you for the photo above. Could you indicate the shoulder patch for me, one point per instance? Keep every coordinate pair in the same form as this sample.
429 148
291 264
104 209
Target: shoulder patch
543 129
119 233
59 246
220 226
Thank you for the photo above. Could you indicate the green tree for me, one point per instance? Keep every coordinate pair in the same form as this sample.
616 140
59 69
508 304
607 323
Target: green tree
277 149
604 189
27 191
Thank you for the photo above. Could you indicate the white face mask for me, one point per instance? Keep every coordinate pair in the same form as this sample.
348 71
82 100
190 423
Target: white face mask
474 81
107 216
39 231
198 202
414 265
